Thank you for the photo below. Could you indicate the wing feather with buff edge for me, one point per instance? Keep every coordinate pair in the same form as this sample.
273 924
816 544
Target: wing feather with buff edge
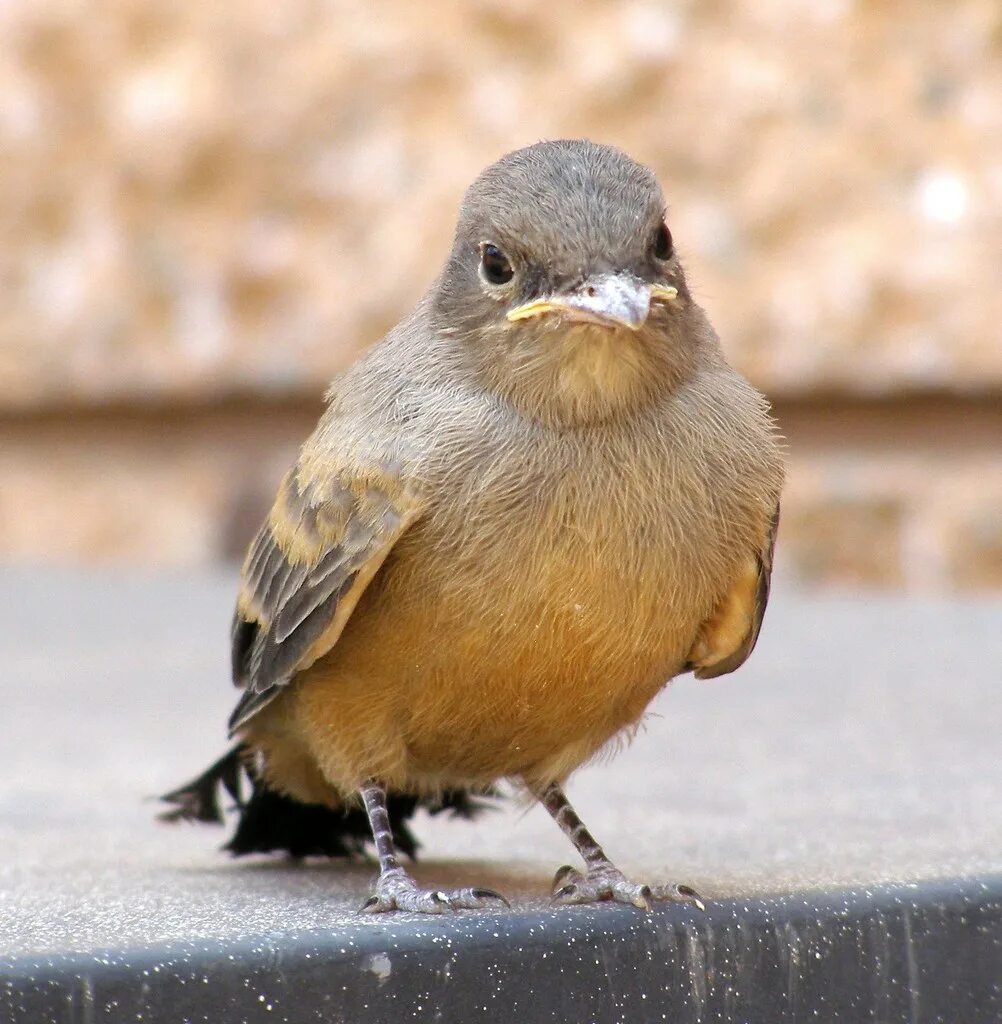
304 574
729 635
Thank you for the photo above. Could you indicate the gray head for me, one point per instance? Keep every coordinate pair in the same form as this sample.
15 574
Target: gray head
563 285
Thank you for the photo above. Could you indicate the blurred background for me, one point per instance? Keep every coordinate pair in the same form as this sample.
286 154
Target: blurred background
207 209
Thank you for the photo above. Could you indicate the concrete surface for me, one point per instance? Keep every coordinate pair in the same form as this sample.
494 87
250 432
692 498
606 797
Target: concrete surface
857 753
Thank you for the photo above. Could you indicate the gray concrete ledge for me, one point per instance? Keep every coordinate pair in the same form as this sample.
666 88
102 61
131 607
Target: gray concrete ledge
919 953
839 801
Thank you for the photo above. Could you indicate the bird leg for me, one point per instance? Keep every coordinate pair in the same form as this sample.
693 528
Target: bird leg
395 889
602 880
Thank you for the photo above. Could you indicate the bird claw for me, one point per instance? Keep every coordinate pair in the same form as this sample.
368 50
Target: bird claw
564 873
606 882
679 894
396 890
490 894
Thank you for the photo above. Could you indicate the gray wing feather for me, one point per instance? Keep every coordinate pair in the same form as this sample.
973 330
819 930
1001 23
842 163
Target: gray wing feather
300 569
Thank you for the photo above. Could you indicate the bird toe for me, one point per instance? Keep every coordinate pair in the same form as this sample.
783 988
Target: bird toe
678 893
563 876
399 891
606 883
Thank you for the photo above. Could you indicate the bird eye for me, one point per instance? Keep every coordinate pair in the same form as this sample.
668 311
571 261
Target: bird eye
663 247
494 265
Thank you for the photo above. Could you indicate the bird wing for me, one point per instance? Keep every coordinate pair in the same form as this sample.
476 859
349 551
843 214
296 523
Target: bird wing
305 571
728 636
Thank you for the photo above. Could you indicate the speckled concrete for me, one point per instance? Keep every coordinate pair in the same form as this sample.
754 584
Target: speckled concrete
859 745
859 749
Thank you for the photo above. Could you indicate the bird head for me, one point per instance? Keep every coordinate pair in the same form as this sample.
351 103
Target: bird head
563 285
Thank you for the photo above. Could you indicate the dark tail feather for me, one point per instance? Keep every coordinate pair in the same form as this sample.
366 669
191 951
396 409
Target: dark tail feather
198 800
270 821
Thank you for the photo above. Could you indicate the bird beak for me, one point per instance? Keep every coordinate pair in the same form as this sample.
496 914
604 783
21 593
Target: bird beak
611 300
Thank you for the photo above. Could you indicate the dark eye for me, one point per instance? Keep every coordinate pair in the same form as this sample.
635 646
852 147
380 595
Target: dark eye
494 265
663 247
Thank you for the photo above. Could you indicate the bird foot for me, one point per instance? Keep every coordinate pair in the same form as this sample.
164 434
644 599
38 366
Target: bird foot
396 890
606 882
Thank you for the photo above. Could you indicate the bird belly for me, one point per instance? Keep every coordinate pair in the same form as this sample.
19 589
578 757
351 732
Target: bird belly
461 677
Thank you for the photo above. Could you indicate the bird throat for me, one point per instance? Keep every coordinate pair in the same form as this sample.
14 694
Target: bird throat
589 374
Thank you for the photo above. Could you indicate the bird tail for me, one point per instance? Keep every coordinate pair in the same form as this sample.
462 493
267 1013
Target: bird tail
271 821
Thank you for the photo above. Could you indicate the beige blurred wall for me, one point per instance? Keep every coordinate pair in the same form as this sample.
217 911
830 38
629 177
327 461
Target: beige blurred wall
207 208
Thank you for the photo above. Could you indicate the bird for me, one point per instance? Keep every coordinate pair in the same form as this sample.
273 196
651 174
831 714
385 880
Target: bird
535 501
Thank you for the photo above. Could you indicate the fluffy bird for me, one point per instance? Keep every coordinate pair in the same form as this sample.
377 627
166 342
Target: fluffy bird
534 502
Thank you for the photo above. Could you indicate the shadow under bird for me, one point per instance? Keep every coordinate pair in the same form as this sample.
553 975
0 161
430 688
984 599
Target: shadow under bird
535 501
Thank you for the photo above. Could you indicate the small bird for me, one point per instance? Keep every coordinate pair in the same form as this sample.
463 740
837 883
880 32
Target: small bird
534 502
